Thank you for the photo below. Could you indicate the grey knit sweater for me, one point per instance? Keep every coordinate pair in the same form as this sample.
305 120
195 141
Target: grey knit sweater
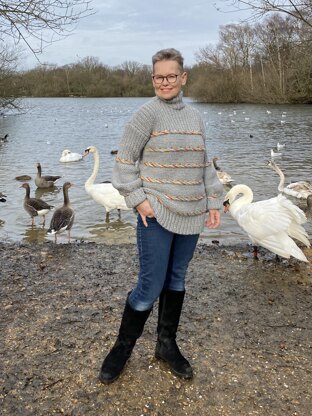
162 157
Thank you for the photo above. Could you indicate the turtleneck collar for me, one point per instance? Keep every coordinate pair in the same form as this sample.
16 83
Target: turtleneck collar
176 102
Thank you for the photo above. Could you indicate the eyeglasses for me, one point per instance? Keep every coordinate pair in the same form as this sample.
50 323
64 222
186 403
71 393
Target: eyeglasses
171 78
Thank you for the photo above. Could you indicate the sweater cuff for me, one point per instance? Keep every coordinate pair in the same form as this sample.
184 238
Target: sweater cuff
215 203
135 198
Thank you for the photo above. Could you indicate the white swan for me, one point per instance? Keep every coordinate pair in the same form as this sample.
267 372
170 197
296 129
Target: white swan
280 146
223 177
275 154
301 189
272 223
103 193
68 156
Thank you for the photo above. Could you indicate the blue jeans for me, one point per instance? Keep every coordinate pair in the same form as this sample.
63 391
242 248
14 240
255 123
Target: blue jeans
164 257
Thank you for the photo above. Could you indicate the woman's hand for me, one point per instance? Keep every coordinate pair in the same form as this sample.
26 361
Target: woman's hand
145 210
214 218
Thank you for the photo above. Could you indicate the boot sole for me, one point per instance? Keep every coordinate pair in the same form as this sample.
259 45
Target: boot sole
111 380
176 373
108 381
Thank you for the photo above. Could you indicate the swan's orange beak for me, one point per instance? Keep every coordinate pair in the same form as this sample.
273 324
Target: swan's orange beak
226 205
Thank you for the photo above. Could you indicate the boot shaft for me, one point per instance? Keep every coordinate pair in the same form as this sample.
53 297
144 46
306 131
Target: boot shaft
170 307
132 323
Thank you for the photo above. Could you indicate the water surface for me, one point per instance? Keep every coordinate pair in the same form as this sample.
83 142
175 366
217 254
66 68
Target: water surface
240 135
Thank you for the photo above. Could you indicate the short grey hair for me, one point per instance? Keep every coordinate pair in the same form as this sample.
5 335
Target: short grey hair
169 54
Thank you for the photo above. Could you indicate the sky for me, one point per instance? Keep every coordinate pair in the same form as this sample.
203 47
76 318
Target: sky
133 30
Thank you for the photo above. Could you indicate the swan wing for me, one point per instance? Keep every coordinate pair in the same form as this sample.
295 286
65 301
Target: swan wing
260 219
272 223
105 194
282 245
303 184
272 216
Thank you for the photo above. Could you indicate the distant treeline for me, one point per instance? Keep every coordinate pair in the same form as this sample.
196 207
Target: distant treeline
267 62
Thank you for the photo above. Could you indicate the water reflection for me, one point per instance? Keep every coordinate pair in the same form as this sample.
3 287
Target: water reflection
50 192
34 234
116 232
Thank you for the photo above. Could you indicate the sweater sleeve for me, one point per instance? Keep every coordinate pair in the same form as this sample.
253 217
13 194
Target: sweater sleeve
214 188
126 175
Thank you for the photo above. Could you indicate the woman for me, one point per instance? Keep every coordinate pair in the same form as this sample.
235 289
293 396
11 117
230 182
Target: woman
163 172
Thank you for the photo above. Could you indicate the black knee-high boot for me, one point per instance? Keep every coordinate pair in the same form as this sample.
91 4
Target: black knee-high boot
131 328
170 307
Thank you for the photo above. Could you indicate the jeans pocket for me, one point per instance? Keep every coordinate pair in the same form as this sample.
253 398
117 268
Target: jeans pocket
151 219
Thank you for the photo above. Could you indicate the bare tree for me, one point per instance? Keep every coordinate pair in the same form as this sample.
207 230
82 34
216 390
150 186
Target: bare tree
8 63
40 22
299 9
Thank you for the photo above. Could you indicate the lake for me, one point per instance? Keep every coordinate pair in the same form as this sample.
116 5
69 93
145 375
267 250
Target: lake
240 135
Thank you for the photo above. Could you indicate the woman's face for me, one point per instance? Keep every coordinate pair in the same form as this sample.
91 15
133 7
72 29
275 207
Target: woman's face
168 88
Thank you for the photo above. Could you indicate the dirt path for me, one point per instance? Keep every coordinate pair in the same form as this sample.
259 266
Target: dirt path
246 328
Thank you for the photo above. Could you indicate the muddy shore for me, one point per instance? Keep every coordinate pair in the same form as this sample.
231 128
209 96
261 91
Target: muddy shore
246 328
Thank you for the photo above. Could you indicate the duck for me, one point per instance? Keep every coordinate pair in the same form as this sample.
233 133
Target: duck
4 139
23 178
35 206
2 197
224 177
271 223
68 156
301 189
63 217
103 193
44 181
114 152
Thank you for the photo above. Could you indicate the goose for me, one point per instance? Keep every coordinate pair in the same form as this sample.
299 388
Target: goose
271 223
2 197
35 206
68 156
23 178
44 181
301 189
63 217
224 177
103 193
275 154
4 139
280 146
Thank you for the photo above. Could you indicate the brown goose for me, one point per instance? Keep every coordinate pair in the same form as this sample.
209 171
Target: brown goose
2 197
63 217
44 181
35 206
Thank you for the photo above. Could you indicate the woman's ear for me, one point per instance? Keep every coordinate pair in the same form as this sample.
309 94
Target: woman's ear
184 78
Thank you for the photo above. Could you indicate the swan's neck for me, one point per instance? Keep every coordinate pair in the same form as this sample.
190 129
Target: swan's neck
214 161
91 180
246 198
282 179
